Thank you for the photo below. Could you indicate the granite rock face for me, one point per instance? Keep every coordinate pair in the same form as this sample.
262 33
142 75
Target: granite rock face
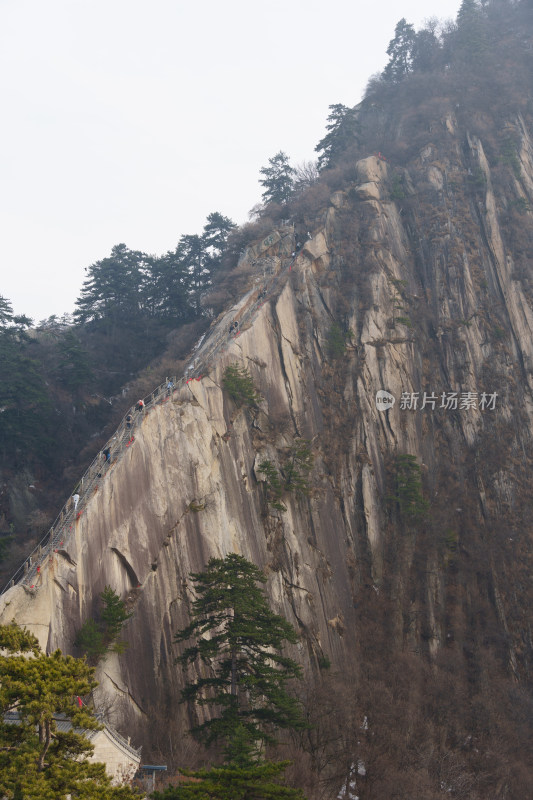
416 273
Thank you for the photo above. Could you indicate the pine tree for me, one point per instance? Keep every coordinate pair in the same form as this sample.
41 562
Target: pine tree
90 640
97 636
470 41
426 50
468 11
114 613
192 253
215 240
239 384
298 466
216 231
114 289
167 291
400 52
279 179
13 324
257 782
239 640
73 367
6 312
411 502
343 132
26 407
36 759
117 302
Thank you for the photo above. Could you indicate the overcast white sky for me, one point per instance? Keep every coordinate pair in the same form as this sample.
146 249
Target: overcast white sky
129 121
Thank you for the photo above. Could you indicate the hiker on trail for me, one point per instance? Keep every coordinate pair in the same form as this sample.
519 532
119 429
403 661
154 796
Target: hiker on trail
107 454
75 500
170 386
140 406
129 420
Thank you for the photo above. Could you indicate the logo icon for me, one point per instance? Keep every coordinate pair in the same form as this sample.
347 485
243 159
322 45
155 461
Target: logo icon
384 400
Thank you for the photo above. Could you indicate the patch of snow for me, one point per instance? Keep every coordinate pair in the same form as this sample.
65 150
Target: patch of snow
351 784
199 342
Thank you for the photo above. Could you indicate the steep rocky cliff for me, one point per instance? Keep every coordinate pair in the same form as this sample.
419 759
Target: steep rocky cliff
415 280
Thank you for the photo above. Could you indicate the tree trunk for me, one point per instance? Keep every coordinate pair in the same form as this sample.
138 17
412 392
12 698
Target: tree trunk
234 672
45 735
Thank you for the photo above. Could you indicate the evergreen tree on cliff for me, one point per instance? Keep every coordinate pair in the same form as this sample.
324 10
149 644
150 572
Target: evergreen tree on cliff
278 180
240 640
343 132
426 52
192 254
400 52
37 760
215 242
470 41
216 231
6 312
168 290
113 290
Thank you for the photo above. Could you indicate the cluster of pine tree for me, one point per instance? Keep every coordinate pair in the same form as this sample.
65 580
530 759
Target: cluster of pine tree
128 302
25 412
470 53
130 287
